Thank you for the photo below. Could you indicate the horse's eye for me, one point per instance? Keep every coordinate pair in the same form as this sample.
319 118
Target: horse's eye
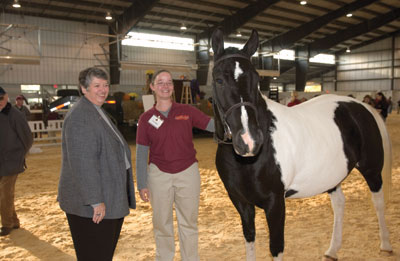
219 81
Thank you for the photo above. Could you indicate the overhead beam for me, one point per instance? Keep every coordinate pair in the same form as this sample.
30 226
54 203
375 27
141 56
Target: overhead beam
231 23
88 4
288 39
301 62
133 14
123 24
83 18
65 10
19 59
324 44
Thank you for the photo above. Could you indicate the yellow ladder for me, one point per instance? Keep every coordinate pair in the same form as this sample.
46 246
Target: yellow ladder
186 96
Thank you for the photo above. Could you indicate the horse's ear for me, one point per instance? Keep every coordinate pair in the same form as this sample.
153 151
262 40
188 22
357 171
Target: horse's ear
217 40
252 44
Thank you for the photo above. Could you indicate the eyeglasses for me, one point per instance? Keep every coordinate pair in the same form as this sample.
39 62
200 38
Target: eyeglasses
169 84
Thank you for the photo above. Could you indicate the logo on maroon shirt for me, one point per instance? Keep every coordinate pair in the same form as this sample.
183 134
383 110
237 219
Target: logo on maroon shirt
182 117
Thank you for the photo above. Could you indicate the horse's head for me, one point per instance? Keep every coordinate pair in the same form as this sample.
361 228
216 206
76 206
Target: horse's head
235 95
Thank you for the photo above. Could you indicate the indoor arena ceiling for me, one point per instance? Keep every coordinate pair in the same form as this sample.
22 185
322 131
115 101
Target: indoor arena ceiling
319 25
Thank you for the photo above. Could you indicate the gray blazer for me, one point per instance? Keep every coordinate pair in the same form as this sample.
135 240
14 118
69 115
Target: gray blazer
93 165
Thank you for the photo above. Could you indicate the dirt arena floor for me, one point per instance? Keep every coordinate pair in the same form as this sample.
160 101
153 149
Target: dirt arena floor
44 233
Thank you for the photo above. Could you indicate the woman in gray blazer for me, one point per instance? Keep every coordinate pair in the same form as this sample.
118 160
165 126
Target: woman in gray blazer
96 186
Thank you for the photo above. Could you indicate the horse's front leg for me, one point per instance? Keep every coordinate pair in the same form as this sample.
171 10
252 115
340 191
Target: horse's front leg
275 213
247 215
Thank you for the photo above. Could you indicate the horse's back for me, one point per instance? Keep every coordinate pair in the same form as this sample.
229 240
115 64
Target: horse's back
319 142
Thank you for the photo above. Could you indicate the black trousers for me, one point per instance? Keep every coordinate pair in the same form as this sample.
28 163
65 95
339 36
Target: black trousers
94 241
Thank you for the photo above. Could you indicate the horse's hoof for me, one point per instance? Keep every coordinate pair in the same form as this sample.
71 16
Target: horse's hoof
329 258
386 252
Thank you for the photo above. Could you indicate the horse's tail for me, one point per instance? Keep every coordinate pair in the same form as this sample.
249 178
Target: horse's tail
387 150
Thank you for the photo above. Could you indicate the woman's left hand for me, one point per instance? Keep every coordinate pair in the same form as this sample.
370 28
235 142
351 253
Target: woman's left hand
98 213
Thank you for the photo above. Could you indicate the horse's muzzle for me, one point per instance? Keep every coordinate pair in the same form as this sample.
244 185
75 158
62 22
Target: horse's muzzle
247 145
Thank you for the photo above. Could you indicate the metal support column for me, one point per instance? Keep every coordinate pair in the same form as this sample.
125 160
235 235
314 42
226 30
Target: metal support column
301 68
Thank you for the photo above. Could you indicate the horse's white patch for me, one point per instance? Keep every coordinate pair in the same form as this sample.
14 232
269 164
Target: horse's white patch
238 71
246 136
250 251
379 205
338 202
279 257
308 145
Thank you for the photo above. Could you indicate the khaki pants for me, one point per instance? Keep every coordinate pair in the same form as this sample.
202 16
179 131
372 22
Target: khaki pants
7 209
183 189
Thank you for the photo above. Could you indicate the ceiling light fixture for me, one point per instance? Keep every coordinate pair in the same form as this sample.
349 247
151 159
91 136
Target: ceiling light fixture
348 50
349 15
238 34
16 4
108 16
183 27
303 2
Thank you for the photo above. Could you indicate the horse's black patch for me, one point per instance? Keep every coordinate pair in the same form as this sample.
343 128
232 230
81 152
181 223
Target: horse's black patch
290 192
362 141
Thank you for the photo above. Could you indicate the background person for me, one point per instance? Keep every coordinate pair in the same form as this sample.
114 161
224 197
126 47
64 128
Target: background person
19 105
15 142
381 105
96 186
294 100
368 99
173 175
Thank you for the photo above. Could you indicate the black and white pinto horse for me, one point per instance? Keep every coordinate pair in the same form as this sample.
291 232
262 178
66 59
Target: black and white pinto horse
268 152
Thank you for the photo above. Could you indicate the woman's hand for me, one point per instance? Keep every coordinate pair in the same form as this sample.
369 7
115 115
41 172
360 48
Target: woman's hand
98 213
144 194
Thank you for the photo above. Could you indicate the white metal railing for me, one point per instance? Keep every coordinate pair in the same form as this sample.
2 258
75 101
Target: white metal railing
46 136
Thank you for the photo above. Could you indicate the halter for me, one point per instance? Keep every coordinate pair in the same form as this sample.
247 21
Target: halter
227 132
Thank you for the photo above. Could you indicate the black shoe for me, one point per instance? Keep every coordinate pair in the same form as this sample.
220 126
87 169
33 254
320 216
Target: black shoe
16 226
5 231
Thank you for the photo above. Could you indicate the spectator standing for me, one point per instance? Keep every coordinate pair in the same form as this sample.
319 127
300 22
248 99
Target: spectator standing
195 90
390 105
15 142
398 106
381 104
19 105
293 100
368 99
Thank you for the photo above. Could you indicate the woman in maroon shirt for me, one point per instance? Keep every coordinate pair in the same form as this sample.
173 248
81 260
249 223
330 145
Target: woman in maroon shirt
164 141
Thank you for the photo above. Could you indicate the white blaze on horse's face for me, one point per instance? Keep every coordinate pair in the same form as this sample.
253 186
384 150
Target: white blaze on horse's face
246 136
238 71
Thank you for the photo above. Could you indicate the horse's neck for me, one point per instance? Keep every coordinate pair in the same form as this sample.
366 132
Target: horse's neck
264 115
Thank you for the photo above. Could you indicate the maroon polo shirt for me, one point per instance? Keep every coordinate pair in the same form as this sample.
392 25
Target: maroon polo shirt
171 145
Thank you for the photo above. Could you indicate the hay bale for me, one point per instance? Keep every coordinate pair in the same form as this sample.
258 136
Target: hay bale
132 110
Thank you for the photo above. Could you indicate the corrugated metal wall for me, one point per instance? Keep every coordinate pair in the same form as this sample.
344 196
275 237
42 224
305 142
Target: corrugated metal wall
65 48
68 47
369 68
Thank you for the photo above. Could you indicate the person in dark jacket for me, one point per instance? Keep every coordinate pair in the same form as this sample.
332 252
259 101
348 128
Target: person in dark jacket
19 105
381 105
15 142
96 187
